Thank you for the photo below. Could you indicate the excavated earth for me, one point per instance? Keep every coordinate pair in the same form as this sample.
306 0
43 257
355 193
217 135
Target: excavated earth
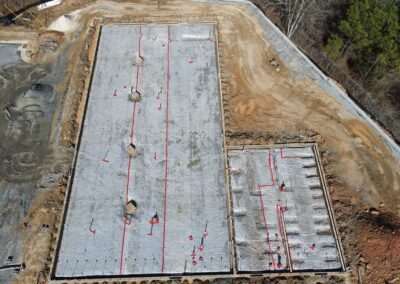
261 105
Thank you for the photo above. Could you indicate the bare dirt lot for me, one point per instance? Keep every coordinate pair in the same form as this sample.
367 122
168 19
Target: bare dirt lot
261 105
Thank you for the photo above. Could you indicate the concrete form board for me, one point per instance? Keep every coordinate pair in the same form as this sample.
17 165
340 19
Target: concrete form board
195 188
296 218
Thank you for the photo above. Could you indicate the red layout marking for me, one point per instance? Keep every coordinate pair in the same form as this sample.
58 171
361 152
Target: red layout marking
105 161
129 161
272 183
92 231
288 157
266 226
282 209
166 153
278 210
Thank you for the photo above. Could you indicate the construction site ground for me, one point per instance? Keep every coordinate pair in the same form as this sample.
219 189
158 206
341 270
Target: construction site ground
263 103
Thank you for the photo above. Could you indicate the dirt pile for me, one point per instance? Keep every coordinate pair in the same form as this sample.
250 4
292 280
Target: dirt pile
371 237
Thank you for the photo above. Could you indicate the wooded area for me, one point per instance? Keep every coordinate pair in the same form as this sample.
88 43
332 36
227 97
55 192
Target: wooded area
356 42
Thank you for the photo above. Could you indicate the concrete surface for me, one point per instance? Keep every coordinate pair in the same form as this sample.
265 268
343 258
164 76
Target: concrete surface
8 54
179 173
290 223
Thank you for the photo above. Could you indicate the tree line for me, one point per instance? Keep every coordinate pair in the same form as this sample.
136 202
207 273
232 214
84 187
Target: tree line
366 33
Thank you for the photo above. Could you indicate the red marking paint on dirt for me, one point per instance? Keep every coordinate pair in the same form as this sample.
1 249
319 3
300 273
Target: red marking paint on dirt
129 161
190 61
166 153
266 226
92 231
288 157
105 161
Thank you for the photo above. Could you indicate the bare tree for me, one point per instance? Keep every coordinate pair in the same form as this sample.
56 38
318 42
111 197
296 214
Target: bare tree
297 12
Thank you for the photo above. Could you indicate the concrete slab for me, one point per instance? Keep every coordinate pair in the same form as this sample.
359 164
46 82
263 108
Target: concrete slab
179 173
9 54
280 216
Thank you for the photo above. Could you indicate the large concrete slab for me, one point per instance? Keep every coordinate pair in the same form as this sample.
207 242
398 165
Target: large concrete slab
281 219
179 174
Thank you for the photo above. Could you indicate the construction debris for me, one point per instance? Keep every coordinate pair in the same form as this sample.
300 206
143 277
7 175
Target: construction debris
135 97
131 208
138 61
132 150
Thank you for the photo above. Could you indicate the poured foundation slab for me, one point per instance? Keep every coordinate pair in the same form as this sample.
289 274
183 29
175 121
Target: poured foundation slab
177 179
283 222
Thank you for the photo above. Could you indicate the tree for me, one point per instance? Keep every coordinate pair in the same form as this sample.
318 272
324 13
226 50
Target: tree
371 31
293 12
335 46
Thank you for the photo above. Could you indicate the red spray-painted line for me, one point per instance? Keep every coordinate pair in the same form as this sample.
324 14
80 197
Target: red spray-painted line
270 171
278 210
287 238
137 85
129 161
266 226
133 121
289 157
166 153
138 66
279 223
124 231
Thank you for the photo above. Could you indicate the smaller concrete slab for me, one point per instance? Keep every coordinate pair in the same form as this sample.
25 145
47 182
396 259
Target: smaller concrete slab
280 216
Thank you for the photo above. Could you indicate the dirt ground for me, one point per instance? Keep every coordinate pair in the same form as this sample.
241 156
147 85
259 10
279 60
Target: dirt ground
261 105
